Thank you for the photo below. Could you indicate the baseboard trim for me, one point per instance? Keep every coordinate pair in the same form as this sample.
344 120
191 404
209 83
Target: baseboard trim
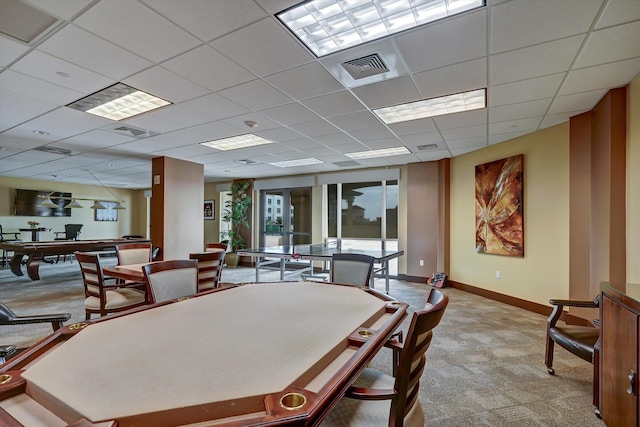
518 302
415 279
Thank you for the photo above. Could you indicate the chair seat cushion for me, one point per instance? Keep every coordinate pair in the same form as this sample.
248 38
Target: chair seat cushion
367 413
579 340
121 297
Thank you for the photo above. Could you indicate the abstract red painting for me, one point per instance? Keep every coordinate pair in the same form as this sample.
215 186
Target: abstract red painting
499 207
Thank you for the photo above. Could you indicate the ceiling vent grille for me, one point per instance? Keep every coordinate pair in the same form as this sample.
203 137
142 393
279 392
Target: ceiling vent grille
54 150
427 147
130 131
24 22
366 66
246 162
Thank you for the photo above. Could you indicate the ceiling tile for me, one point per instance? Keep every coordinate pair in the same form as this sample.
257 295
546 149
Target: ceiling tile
604 46
10 50
452 79
521 110
208 19
208 68
353 121
263 48
525 90
79 47
517 65
387 93
37 89
522 125
576 102
166 85
256 95
295 82
519 24
619 12
290 114
139 29
214 106
600 77
334 104
423 48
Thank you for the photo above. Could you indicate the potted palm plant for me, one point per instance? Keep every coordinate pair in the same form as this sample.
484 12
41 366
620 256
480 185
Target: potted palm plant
235 214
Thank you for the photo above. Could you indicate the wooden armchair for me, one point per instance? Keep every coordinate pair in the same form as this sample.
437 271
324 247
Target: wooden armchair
377 399
582 341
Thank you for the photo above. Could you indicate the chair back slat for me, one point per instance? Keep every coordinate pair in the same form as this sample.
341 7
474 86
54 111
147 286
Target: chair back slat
210 266
133 253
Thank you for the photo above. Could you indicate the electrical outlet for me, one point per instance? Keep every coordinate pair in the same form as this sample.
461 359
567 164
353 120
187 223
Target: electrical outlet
421 263
498 274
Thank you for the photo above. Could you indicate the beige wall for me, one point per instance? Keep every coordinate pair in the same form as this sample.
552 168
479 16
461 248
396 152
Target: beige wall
128 219
543 272
633 182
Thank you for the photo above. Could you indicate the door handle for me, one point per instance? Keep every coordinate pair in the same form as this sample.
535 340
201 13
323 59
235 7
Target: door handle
631 377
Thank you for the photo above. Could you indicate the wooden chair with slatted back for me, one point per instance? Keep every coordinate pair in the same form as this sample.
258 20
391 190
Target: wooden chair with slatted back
378 399
210 266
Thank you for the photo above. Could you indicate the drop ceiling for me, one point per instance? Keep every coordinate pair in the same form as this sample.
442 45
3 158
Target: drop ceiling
226 62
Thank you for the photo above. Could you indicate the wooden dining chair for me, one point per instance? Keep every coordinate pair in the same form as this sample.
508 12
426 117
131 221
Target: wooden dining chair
167 280
216 247
378 399
101 297
210 266
133 253
351 269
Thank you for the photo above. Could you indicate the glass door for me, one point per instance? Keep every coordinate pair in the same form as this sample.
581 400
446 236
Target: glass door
285 218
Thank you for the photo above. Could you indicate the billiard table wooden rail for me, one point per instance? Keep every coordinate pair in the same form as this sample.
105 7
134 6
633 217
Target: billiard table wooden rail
304 402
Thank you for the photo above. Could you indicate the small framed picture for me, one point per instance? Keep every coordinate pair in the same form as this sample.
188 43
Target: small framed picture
209 209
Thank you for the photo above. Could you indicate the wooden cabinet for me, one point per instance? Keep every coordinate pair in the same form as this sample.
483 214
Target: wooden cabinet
619 353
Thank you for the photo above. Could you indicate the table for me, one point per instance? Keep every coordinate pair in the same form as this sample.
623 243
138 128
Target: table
286 354
37 251
321 252
35 232
127 272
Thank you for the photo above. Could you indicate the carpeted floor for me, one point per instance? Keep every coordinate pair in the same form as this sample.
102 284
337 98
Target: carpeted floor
485 366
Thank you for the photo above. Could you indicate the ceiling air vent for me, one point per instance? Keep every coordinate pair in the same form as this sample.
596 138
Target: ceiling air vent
54 150
366 66
246 162
346 163
130 131
427 147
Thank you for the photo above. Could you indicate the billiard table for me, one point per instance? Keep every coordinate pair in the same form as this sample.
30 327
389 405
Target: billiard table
38 251
263 354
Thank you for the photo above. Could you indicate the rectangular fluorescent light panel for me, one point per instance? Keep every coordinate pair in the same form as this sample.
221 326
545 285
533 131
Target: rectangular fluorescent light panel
383 152
328 26
118 102
235 142
298 162
465 101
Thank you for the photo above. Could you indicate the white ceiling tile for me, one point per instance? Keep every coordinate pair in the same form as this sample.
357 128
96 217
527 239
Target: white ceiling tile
575 102
452 79
61 123
46 67
37 89
10 50
263 48
476 142
166 85
619 12
331 140
167 119
463 119
517 65
600 77
208 68
208 19
522 125
525 90
256 95
460 151
64 9
422 138
435 45
604 46
371 133
290 114
387 93
80 47
413 127
334 104
214 106
279 134
295 81
498 138
555 119
315 128
520 110
139 29
525 23
92 140
465 132
353 121
429 156
16 109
